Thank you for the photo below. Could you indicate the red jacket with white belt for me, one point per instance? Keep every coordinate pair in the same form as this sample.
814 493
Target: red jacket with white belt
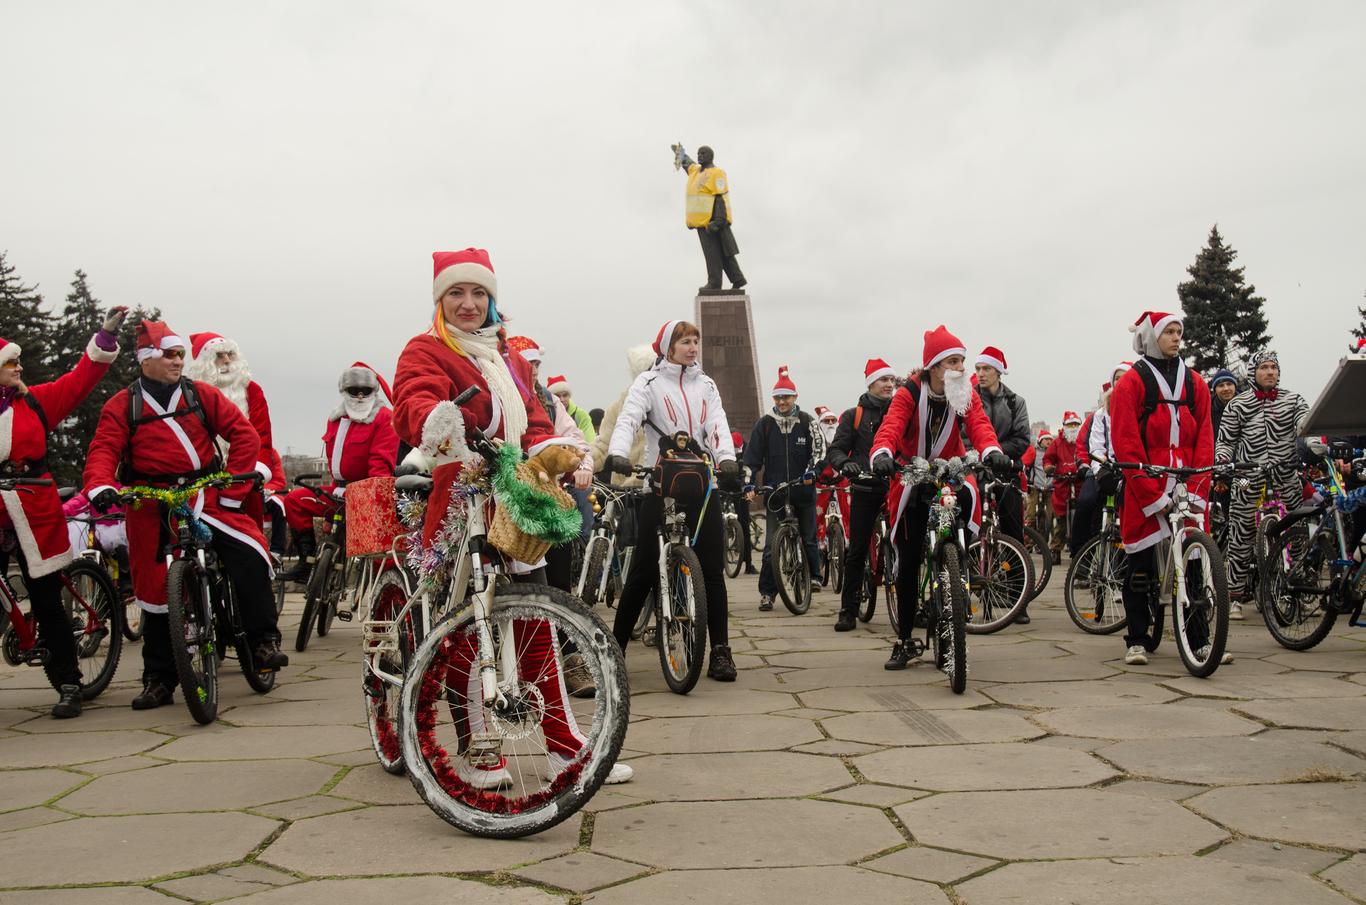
358 450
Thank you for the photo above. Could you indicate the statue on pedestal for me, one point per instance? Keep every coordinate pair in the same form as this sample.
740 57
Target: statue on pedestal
708 212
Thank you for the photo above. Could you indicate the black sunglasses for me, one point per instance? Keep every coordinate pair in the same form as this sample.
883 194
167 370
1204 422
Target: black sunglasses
359 392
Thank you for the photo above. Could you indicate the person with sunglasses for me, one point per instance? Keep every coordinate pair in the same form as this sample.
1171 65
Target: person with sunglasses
34 514
359 442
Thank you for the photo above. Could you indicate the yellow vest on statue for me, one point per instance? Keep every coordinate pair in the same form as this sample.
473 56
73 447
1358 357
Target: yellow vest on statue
703 187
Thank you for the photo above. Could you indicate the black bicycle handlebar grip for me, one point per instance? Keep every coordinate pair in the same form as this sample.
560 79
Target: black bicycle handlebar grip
466 395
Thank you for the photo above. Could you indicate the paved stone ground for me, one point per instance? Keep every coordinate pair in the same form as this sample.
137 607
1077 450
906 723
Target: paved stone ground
1060 776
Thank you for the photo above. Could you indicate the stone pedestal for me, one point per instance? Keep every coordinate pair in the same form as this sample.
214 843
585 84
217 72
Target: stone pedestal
730 354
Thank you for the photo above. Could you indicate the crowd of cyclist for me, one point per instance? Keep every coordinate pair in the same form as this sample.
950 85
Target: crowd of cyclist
195 411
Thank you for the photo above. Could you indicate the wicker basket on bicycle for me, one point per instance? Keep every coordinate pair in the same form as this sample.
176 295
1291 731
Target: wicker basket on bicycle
531 514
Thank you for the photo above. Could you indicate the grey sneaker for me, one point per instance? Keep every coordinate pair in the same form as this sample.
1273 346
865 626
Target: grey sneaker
765 603
1204 652
1136 656
578 681
1235 611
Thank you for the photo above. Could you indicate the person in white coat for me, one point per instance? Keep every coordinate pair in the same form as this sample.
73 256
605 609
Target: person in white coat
675 396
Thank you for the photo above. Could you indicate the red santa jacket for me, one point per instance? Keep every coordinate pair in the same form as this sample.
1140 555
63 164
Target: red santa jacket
429 372
902 433
36 512
176 445
356 450
1061 455
258 413
1176 434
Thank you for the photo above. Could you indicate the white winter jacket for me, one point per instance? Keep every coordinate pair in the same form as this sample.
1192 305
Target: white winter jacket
673 398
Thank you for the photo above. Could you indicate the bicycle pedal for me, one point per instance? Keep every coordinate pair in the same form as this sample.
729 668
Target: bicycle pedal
344 615
38 656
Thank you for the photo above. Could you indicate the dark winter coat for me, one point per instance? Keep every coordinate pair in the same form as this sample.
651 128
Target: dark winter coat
1009 417
850 443
782 455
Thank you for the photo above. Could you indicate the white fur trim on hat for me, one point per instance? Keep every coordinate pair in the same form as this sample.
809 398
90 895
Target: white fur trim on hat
879 374
559 386
985 359
956 350
464 272
96 354
168 342
10 351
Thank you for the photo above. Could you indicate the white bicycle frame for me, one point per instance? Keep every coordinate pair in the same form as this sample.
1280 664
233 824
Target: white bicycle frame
610 538
1180 516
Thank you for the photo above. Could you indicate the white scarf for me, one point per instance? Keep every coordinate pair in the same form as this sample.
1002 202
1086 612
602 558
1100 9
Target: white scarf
483 346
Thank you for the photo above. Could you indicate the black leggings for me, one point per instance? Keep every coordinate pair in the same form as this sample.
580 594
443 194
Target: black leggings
1140 584
710 549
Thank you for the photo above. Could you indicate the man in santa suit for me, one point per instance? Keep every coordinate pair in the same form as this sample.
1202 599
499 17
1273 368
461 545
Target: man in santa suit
359 442
217 360
927 418
1174 431
173 439
1060 463
832 487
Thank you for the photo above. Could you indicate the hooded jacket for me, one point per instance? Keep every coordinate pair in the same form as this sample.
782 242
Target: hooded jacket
1009 418
667 399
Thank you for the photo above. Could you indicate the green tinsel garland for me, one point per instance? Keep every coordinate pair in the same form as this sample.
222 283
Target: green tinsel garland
533 511
175 496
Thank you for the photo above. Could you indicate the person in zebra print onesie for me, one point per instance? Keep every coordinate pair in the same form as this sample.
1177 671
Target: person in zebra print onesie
1260 424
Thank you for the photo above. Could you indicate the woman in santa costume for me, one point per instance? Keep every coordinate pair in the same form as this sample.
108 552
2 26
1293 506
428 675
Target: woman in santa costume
1175 431
174 439
927 418
466 345
833 487
359 442
34 514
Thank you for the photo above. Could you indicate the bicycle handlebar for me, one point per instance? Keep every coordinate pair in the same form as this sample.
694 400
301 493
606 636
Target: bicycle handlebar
12 483
1158 470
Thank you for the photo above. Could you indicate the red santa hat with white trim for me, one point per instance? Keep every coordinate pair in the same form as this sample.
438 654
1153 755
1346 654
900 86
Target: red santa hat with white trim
784 386
666 333
558 384
1119 369
9 351
822 412
154 337
1043 432
1148 328
214 342
1070 417
875 370
469 266
361 374
994 357
526 347
940 344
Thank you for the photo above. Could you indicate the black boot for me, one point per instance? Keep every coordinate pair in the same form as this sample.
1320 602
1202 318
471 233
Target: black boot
901 656
308 552
845 622
722 667
268 655
154 694
1023 617
70 703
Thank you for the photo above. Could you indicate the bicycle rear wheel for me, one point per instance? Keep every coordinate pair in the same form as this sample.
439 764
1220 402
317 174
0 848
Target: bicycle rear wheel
735 546
520 767
193 642
382 705
834 558
1041 558
1094 586
683 638
1201 622
313 597
887 561
999 582
97 631
260 680
791 572
1296 583
867 596
594 563
334 588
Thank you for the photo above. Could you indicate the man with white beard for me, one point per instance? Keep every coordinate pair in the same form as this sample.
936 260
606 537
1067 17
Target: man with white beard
218 361
359 442
927 418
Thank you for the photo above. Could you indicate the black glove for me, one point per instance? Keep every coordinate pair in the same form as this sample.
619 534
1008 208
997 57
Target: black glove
619 464
851 469
884 466
728 475
998 462
105 500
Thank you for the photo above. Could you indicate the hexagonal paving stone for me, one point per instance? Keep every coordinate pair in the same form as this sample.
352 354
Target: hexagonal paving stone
909 697
1320 813
405 839
1081 823
229 785
826 659
229 743
931 864
1053 670
1142 881
408 890
1109 693
690 735
1146 721
103 895
319 690
802 680
347 711
120 849
965 768
1334 714
938 727
714 777
734 701
1228 684
772 887
26 788
724 834
1349 876
372 784
580 871
1229 761
59 749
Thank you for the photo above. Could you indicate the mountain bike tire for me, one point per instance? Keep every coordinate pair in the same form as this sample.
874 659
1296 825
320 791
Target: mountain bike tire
791 573
1001 595
312 598
1036 545
683 642
193 641
98 589
1297 618
834 557
1092 589
956 665
1216 587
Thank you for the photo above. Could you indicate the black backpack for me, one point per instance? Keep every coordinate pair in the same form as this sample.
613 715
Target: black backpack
1152 396
136 418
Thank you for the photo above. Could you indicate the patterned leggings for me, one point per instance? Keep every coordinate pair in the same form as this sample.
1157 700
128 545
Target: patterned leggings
1242 524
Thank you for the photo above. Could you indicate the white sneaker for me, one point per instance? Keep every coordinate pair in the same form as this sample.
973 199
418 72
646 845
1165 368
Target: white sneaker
1136 656
1204 652
816 586
484 777
1235 611
618 774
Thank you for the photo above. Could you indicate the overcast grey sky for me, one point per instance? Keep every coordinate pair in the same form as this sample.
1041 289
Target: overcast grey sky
1033 175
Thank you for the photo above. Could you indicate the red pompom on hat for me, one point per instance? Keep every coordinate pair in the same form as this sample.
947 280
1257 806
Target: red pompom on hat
153 337
558 384
1148 328
361 374
994 357
469 266
784 386
1071 418
9 351
876 369
666 332
525 346
940 344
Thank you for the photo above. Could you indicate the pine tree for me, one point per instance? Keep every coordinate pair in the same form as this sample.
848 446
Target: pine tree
1359 331
1224 319
23 321
82 316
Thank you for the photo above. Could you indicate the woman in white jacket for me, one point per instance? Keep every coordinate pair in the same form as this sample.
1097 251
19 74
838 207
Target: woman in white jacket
674 396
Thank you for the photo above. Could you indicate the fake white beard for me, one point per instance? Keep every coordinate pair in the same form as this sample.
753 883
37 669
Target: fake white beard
1071 433
231 381
828 432
958 390
360 410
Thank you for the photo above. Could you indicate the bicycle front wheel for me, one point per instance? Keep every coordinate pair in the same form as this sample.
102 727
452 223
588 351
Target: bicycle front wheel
1296 582
1200 616
790 571
1000 578
393 643
735 546
1094 587
952 624
1040 557
531 759
93 607
887 568
313 597
834 556
193 642
594 564
334 588
683 638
